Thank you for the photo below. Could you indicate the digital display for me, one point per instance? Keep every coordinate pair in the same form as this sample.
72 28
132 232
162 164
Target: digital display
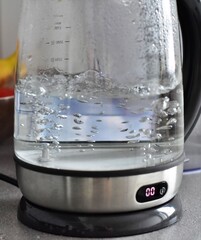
152 192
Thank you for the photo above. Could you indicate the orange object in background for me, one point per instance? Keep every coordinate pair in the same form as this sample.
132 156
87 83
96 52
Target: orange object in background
6 92
7 79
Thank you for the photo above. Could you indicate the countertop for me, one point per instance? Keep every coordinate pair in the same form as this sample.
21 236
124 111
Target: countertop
189 227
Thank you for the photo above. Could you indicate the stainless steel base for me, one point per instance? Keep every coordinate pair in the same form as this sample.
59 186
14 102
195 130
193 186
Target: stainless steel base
94 194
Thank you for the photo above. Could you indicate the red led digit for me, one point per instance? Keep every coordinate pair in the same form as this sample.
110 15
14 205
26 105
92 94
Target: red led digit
148 192
153 191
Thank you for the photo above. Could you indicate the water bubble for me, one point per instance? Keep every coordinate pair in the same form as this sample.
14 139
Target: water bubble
171 121
77 128
63 107
148 132
133 136
145 119
162 114
42 91
21 125
46 111
161 104
167 127
124 130
62 116
82 101
141 90
58 126
29 58
171 139
158 121
159 136
174 108
167 151
94 131
78 115
78 121
125 122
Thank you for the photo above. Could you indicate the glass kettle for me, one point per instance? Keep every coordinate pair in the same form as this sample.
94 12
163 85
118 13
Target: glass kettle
103 82
99 111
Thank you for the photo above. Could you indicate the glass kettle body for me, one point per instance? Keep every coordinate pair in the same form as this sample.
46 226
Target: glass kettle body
99 111
102 84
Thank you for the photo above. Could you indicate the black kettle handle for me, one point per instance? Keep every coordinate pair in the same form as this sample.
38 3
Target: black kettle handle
190 20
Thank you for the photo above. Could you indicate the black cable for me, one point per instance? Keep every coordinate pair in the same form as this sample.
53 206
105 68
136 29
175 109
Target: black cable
8 179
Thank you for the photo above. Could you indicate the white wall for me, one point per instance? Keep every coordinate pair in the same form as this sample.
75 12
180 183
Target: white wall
9 18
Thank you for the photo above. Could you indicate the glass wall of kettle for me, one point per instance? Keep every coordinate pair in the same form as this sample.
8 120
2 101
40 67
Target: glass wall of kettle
99 80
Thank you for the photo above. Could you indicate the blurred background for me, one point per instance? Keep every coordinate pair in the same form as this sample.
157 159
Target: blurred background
9 18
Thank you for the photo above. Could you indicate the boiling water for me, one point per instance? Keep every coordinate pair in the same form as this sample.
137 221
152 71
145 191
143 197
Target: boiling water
87 122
